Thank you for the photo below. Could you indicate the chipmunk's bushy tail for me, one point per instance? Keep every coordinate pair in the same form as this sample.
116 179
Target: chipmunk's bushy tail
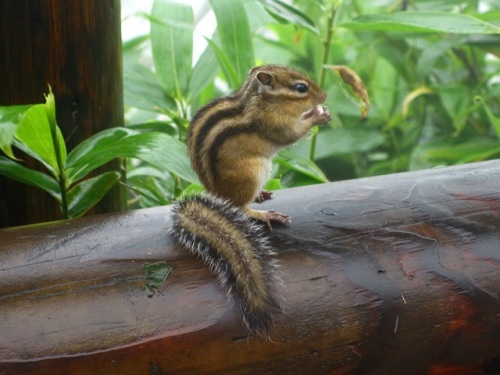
237 250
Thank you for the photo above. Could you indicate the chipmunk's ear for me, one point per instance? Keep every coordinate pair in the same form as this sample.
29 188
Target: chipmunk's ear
254 69
265 78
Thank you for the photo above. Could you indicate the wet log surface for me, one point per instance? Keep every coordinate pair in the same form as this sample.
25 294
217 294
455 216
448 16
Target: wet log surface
397 274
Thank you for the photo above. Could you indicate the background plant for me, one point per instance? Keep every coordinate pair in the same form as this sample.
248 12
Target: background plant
33 130
431 70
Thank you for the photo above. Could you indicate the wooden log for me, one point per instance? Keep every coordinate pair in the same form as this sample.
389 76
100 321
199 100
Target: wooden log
397 274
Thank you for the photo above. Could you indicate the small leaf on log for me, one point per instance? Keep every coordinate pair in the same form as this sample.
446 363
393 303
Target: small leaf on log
156 275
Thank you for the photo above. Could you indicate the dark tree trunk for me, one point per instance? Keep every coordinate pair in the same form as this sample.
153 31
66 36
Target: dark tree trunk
389 275
75 46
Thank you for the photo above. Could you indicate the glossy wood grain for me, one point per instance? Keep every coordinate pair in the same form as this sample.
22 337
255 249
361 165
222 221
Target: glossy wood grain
397 274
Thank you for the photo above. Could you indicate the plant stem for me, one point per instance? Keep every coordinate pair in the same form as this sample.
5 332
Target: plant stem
64 192
322 78
326 44
62 174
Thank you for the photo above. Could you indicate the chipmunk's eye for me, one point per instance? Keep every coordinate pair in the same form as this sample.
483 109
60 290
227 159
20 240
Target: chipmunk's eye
300 87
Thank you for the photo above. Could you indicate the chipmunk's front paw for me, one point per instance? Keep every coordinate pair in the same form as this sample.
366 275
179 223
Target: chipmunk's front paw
264 195
323 115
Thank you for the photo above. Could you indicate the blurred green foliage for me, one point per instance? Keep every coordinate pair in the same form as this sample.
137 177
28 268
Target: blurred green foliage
431 68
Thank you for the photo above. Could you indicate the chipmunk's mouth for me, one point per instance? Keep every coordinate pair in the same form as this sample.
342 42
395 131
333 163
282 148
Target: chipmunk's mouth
315 111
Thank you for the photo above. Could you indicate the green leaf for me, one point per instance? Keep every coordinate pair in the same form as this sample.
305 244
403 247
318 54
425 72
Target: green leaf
192 189
17 172
151 193
300 164
226 66
172 25
383 83
156 275
342 141
495 121
273 184
204 71
287 14
57 141
142 90
10 117
35 139
257 15
156 148
422 22
132 45
456 101
235 35
145 171
83 196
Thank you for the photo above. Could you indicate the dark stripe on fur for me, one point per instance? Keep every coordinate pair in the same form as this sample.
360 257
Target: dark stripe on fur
196 143
221 138
259 322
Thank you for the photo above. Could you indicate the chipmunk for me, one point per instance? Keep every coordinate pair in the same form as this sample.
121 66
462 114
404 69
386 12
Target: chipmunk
231 143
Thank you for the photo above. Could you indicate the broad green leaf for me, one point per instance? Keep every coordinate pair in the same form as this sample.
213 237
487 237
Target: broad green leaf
383 87
226 66
300 164
434 49
83 196
342 141
35 139
172 25
156 148
287 14
145 171
151 194
95 151
142 90
17 172
155 276
166 127
257 15
7 131
235 36
422 22
204 71
10 116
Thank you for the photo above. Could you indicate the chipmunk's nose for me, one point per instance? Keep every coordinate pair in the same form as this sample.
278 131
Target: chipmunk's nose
321 97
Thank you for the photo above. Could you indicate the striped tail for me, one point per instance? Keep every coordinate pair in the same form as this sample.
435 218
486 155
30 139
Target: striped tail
237 250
